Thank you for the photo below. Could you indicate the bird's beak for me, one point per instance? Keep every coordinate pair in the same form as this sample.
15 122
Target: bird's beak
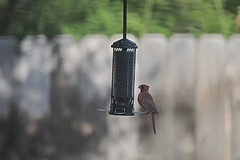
139 86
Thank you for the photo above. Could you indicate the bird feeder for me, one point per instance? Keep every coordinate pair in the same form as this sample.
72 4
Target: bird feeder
123 77
123 73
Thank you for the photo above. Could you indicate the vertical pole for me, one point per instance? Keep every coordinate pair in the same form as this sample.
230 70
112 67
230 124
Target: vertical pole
124 19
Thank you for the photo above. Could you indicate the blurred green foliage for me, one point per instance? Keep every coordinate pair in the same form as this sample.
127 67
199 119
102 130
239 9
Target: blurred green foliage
81 17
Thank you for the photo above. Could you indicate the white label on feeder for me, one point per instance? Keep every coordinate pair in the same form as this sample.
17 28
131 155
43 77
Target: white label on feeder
117 49
130 50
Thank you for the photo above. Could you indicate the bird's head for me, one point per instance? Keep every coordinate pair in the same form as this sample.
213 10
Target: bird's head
143 87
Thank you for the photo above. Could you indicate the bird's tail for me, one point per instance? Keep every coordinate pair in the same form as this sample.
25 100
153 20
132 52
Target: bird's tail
153 124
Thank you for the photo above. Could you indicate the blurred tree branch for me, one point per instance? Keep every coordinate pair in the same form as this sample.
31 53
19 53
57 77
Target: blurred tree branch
7 15
81 17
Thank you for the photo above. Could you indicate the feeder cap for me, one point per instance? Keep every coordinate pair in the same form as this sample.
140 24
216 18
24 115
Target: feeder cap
124 43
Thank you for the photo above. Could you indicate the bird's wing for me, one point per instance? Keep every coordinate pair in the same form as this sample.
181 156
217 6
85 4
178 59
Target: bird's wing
148 100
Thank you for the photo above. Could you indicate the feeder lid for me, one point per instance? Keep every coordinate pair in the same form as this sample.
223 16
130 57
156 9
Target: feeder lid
124 43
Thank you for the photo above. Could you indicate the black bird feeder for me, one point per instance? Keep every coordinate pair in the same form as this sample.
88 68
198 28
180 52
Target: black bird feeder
123 73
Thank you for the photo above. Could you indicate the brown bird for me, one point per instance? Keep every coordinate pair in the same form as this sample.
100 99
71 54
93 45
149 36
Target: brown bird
146 101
